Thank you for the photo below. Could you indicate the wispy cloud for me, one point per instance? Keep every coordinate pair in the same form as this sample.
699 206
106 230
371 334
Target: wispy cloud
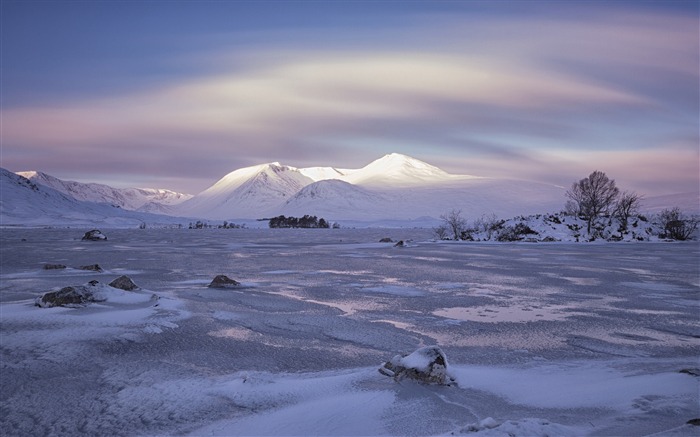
541 81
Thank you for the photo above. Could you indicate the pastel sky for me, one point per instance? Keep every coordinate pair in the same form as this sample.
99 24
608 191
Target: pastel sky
175 94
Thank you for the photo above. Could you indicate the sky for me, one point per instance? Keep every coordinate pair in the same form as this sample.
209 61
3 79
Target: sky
176 94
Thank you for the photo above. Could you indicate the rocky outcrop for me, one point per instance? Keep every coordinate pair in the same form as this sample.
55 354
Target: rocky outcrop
94 235
386 240
72 296
124 283
92 268
223 281
427 365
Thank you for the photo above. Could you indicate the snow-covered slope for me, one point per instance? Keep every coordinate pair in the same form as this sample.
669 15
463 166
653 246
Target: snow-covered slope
323 173
249 192
127 198
333 198
25 203
398 170
394 187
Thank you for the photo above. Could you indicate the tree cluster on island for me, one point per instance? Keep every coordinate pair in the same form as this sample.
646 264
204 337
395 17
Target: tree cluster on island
307 221
595 205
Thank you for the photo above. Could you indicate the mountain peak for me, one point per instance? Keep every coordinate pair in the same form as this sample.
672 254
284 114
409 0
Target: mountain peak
397 168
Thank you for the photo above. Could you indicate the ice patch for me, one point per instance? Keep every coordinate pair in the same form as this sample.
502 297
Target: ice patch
512 313
397 290
576 385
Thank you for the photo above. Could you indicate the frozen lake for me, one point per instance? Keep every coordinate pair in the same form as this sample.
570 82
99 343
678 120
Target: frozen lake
558 338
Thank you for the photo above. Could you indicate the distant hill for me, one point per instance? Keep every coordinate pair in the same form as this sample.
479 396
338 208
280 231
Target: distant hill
26 203
127 198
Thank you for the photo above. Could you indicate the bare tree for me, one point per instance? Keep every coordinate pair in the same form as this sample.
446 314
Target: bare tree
593 196
626 206
677 226
455 222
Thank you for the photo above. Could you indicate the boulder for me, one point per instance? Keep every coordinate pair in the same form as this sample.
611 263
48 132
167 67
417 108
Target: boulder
124 283
427 365
400 244
223 281
92 268
78 295
94 235
386 240
54 266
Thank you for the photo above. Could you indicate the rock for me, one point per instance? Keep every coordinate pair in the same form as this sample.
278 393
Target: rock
400 244
94 235
223 281
548 239
92 267
124 283
691 371
694 422
386 240
78 295
427 365
54 266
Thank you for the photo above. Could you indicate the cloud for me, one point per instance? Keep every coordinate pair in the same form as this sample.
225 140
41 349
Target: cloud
497 93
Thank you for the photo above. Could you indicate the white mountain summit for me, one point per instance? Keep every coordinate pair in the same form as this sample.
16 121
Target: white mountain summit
395 186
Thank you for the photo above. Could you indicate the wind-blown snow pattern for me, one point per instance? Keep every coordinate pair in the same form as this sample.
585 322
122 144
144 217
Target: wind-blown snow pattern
153 199
557 339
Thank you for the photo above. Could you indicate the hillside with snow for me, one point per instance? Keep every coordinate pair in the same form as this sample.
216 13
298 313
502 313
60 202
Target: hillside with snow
394 187
394 190
144 199
25 203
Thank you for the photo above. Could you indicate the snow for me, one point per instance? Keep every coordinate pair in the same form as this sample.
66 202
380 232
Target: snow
25 203
394 187
393 191
128 198
296 351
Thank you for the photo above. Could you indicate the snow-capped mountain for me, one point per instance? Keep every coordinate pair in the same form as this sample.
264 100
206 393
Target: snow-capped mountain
127 198
399 170
247 193
26 203
393 187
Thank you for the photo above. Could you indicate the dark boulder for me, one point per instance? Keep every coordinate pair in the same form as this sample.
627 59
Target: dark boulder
386 240
427 365
223 281
54 266
92 268
78 295
400 244
124 283
94 235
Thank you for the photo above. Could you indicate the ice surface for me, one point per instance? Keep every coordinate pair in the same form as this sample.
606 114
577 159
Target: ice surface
295 350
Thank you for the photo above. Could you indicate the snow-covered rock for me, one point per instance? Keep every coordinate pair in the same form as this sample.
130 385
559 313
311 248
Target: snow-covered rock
78 295
427 364
94 235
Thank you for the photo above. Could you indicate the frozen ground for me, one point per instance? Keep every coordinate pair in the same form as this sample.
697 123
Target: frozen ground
543 339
